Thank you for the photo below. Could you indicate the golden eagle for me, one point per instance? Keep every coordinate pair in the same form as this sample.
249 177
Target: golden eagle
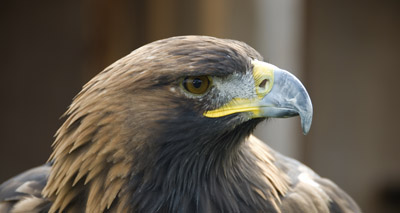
168 128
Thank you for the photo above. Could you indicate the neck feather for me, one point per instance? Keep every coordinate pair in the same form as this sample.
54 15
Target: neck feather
229 173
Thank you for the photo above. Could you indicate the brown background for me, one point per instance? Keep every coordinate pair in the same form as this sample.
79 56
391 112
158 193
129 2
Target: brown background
350 51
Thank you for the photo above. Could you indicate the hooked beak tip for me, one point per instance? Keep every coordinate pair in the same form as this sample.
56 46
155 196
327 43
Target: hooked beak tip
306 124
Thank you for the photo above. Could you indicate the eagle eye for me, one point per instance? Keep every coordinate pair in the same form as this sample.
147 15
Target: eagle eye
196 84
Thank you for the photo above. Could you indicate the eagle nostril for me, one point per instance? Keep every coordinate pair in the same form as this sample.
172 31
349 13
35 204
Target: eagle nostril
263 83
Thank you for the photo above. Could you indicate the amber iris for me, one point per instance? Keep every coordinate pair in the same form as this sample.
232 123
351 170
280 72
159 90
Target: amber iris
196 84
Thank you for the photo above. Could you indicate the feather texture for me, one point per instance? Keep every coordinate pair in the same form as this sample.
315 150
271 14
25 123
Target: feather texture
134 141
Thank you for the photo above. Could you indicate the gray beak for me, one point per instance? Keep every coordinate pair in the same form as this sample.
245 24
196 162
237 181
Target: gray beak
288 98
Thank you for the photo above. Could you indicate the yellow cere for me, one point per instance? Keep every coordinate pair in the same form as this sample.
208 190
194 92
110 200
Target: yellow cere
263 71
263 74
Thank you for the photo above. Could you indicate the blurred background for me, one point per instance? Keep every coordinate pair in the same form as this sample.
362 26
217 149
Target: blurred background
345 52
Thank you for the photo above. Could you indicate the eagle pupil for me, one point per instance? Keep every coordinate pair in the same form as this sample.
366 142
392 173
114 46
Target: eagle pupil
197 82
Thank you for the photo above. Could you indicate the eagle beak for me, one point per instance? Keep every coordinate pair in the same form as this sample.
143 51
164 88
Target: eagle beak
279 94
287 98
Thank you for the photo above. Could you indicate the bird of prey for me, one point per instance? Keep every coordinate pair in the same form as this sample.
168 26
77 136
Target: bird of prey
168 128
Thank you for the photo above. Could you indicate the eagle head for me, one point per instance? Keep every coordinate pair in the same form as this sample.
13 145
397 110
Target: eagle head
166 123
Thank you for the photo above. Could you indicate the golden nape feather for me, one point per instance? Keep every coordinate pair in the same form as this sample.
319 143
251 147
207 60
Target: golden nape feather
168 128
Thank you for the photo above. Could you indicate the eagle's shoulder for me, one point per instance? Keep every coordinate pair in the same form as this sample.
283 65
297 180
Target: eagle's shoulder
22 193
306 191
